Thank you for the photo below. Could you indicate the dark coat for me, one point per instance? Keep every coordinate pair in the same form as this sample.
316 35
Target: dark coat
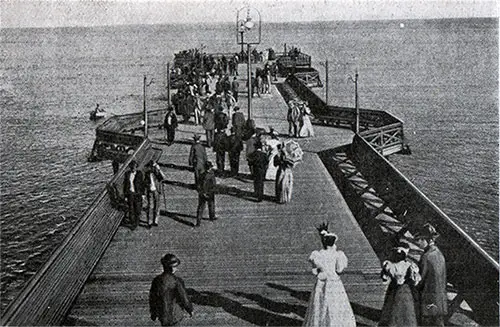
220 142
234 144
168 299
173 120
433 298
221 120
139 185
259 162
208 120
197 156
238 120
208 184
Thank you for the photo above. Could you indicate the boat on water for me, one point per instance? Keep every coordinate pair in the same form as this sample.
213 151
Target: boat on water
97 113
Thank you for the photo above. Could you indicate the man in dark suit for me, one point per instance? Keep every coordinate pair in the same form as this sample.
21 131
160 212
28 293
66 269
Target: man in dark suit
259 162
206 193
432 288
133 189
234 148
238 121
235 86
168 297
197 158
220 148
209 125
170 124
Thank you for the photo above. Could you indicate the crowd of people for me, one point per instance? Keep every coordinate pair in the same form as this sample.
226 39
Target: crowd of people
417 291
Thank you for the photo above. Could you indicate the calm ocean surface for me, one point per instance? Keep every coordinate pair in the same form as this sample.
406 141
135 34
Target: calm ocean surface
439 76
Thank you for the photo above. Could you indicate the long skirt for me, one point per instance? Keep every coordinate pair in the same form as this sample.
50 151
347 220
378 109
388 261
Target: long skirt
399 307
284 185
329 305
307 129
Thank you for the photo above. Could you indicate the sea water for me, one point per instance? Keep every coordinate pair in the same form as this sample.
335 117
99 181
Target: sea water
439 76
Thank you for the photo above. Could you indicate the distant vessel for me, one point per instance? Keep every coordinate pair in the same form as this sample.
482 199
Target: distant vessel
402 25
97 113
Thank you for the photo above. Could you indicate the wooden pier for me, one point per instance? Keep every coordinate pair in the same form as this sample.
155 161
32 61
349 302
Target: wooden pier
250 266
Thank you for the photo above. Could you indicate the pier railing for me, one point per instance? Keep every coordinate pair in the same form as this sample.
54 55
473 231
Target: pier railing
116 137
49 294
472 272
381 129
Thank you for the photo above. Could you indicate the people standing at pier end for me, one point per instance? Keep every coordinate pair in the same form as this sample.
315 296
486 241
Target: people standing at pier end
168 298
432 289
328 303
197 158
206 194
403 275
170 124
258 161
153 176
133 189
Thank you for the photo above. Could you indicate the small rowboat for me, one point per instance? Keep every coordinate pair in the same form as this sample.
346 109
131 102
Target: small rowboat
96 115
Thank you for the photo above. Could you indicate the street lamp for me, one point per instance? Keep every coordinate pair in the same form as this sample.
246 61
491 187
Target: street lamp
355 81
247 26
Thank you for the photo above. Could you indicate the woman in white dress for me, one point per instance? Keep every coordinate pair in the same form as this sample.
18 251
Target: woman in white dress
329 304
306 129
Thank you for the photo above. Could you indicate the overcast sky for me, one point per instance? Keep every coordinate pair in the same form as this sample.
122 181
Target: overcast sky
27 13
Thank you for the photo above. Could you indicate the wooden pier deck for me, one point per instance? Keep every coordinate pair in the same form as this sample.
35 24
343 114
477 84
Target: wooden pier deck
250 266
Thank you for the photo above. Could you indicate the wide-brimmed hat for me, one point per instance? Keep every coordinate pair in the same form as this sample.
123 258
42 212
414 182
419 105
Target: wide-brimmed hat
170 260
427 231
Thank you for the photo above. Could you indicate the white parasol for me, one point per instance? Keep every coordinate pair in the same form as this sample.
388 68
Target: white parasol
292 152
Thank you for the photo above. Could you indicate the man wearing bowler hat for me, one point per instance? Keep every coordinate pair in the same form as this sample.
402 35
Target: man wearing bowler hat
432 288
168 297
197 158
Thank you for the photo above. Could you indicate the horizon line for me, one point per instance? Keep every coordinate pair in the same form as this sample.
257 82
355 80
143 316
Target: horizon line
231 22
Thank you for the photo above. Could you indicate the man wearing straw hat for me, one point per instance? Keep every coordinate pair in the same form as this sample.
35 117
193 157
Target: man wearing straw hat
168 297
432 289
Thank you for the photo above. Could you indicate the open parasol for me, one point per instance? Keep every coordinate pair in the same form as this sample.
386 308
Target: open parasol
292 152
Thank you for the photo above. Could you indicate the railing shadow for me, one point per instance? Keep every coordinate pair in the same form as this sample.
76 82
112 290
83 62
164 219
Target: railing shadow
359 310
254 316
277 307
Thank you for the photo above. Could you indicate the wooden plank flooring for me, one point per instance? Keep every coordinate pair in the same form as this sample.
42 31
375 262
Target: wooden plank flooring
250 266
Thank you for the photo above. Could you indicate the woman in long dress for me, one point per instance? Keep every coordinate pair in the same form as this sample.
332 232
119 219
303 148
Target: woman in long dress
329 304
403 275
284 178
306 130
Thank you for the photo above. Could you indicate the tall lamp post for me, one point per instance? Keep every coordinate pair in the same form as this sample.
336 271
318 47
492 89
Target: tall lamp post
248 22
355 81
